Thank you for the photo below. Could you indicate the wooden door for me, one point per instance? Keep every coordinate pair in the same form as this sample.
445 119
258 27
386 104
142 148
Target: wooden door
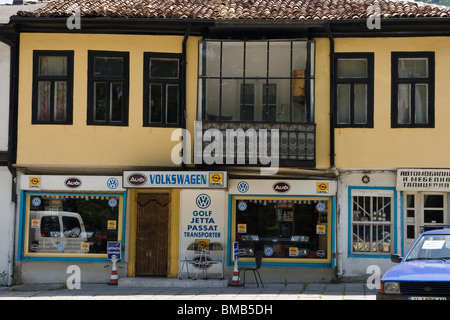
152 238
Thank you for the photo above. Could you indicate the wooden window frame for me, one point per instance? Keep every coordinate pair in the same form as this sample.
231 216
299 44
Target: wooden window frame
68 78
164 83
369 81
125 78
395 80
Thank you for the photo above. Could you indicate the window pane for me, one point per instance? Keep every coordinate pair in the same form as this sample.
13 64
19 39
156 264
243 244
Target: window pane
172 103
209 59
404 103
99 101
164 68
413 67
352 68
433 216
60 104
421 96
270 102
155 103
299 55
72 223
108 66
231 99
360 106
343 103
279 59
283 99
116 101
211 96
43 100
256 59
433 201
285 228
247 101
233 59
52 66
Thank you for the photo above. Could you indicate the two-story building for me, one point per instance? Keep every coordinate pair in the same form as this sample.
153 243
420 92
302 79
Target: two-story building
179 128
8 142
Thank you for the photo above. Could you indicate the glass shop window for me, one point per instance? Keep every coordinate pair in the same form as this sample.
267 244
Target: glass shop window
283 228
72 224
372 223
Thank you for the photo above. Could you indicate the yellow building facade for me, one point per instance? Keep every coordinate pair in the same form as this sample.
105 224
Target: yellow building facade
352 120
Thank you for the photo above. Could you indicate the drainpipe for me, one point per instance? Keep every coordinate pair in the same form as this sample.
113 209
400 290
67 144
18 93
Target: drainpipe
12 149
183 96
332 140
332 94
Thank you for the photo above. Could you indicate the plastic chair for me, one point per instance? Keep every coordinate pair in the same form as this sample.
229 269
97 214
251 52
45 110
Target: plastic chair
255 270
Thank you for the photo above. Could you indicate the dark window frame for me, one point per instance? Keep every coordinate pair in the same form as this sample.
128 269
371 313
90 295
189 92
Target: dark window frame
369 81
164 81
309 79
125 78
68 78
395 81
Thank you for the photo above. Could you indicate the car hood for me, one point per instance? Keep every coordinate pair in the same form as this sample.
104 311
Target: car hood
424 270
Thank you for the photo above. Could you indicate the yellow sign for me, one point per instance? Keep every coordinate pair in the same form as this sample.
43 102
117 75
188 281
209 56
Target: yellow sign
203 244
320 229
35 182
322 187
112 224
293 252
242 228
216 179
85 246
35 223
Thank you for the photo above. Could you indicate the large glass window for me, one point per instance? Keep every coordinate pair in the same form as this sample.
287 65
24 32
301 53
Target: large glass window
270 81
162 84
68 224
52 87
412 89
108 84
284 228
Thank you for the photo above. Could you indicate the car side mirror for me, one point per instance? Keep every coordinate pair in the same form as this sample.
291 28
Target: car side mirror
396 258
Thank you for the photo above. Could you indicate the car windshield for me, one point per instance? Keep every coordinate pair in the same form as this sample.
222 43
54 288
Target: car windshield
431 247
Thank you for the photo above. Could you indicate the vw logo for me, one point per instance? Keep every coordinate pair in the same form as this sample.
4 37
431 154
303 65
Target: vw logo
112 183
243 187
203 201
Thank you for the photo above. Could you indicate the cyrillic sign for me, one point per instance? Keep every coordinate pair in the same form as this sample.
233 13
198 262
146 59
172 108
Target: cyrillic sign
423 179
175 179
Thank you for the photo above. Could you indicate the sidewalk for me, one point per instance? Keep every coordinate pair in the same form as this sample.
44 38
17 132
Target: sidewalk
298 291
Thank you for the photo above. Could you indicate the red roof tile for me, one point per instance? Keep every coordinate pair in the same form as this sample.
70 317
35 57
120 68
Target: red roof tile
239 9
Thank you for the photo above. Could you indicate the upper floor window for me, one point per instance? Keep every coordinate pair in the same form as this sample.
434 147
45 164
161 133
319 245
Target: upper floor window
354 90
108 85
162 84
52 101
412 89
270 81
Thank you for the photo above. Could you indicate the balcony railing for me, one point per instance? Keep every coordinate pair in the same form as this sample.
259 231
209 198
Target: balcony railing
296 142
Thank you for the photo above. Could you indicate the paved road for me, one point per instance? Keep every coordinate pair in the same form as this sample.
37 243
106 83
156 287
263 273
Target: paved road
301 291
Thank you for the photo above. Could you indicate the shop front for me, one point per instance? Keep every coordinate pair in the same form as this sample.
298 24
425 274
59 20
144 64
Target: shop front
68 220
177 223
290 222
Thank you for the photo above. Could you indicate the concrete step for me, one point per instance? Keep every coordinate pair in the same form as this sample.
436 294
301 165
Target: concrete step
150 282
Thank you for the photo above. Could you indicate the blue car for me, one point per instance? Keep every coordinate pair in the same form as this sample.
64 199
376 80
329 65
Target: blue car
424 272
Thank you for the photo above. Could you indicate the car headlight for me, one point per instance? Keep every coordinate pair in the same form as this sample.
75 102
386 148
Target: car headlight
391 287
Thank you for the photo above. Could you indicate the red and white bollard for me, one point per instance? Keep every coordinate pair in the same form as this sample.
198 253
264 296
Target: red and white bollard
114 280
235 282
